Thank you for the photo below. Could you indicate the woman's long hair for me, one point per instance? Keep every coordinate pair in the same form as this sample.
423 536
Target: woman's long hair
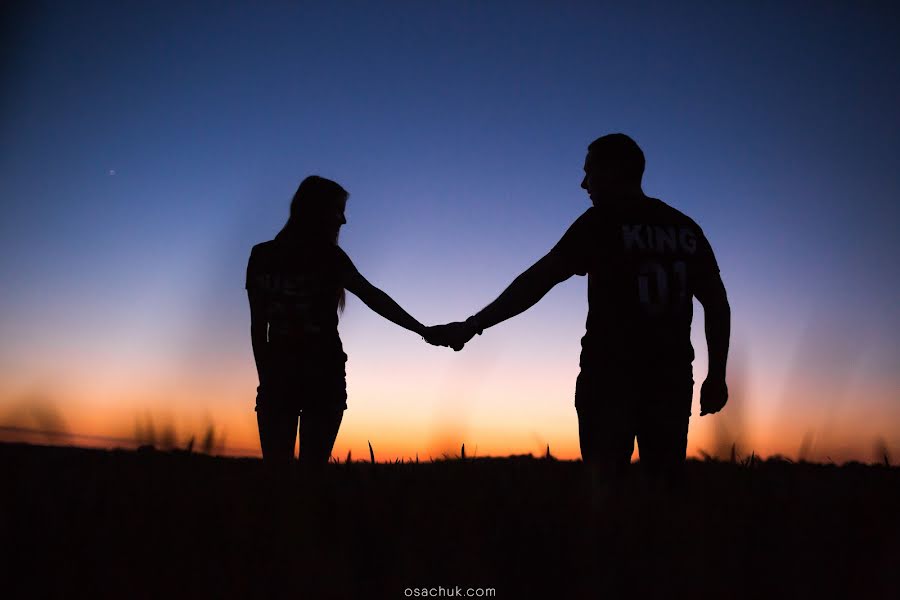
314 218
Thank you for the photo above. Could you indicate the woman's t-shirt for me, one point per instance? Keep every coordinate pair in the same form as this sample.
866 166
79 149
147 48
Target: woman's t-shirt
301 285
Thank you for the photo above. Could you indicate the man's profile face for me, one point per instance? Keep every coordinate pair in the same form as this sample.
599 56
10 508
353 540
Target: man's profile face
340 212
597 178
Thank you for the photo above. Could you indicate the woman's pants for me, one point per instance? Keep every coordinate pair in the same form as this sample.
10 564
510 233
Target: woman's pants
297 387
278 429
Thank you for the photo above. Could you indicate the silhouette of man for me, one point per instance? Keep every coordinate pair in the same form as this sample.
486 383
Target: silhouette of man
645 261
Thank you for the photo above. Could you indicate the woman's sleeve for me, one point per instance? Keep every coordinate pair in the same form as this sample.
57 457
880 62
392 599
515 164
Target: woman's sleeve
251 270
345 267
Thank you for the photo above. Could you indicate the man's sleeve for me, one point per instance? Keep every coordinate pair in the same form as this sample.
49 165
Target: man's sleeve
706 259
572 249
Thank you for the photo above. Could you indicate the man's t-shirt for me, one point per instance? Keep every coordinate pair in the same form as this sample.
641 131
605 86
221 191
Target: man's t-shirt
643 259
301 286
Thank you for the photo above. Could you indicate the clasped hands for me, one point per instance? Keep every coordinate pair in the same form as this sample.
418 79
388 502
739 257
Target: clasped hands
454 335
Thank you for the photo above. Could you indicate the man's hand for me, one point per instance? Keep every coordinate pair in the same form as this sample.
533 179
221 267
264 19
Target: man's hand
454 335
713 396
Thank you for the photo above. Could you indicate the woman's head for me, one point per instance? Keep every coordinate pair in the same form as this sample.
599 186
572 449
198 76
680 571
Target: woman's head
317 210
317 213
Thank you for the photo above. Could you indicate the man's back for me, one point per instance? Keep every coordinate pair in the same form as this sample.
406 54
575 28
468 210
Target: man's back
644 260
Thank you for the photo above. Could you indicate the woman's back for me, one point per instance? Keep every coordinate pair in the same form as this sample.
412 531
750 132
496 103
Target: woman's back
300 286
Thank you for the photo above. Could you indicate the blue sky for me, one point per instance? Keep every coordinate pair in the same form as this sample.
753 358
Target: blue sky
144 148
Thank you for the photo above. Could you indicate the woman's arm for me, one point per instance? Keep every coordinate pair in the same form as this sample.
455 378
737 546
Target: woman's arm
258 331
380 302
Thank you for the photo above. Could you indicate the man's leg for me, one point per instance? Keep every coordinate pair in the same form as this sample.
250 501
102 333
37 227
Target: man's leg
607 441
662 428
605 425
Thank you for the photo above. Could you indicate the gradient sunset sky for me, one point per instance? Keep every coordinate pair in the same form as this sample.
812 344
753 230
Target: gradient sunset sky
146 146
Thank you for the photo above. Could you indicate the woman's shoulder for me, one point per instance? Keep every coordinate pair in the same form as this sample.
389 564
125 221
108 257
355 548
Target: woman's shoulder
262 248
343 260
339 252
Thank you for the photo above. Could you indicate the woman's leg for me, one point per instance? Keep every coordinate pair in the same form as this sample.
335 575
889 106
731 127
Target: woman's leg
277 432
318 430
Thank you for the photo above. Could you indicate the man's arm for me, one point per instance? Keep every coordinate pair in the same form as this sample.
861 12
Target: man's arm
524 292
717 317
717 323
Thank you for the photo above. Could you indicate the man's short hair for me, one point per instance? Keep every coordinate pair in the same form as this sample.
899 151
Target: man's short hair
621 152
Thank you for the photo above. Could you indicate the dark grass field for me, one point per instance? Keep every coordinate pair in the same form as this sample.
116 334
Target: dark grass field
92 523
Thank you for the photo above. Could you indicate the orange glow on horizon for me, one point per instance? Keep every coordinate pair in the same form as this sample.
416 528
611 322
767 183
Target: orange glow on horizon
394 438
496 398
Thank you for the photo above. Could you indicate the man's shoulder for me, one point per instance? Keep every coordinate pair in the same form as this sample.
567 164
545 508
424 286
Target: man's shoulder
588 218
671 214
662 207
582 227
589 213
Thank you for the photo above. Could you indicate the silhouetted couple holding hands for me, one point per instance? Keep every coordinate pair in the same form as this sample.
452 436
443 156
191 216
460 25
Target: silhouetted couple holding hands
645 262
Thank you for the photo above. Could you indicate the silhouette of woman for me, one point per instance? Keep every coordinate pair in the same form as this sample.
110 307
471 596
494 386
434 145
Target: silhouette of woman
296 286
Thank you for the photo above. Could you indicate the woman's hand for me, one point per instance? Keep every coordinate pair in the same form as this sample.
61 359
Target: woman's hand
454 335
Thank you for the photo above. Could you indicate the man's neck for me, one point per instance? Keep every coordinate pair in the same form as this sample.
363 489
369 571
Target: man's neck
619 195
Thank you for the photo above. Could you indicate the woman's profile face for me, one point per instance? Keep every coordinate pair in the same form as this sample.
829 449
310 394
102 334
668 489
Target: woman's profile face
336 218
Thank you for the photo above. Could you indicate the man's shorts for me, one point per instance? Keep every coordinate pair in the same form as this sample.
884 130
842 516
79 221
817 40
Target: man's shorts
616 407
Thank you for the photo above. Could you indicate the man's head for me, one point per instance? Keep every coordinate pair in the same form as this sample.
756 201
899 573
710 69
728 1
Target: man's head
613 167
